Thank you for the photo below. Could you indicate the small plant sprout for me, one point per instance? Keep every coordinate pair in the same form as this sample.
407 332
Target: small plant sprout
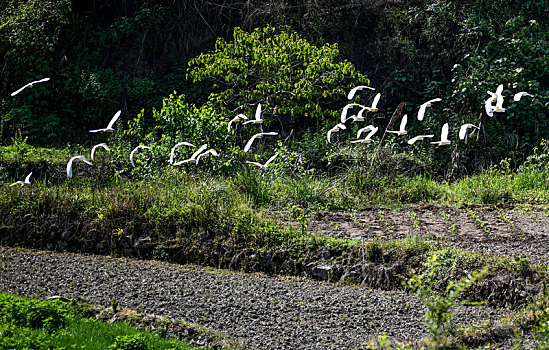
135 150
336 128
69 164
423 107
109 127
29 85
23 183
257 136
482 224
94 149
354 90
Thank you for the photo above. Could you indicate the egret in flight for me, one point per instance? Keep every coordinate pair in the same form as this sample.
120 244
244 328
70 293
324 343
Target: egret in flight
368 137
266 165
355 89
211 151
498 98
257 119
29 85
134 151
443 137
419 138
402 129
236 120
520 95
423 107
193 156
257 136
23 183
373 108
463 130
94 148
336 128
346 109
111 123
69 164
179 144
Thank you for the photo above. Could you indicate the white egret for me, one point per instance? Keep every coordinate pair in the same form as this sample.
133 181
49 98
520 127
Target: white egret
443 137
368 137
29 85
402 129
23 183
211 151
257 136
134 151
373 108
179 144
498 98
111 123
69 164
520 95
257 119
489 107
423 107
346 109
193 156
463 130
236 120
355 89
94 148
419 138
336 128
266 165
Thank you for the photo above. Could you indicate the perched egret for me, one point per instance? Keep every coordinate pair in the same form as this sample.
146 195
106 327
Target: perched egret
69 164
257 136
463 130
29 85
135 150
346 109
443 137
373 108
355 89
94 148
179 144
236 120
111 123
193 156
419 138
402 129
520 95
423 107
257 119
211 151
266 165
336 128
370 128
23 183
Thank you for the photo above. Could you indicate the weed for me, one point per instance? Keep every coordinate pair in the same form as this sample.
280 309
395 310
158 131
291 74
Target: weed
482 224
446 217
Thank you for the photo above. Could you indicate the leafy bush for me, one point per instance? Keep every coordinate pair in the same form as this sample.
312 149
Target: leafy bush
129 342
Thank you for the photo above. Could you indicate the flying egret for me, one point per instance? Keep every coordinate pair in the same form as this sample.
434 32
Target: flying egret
498 98
266 165
355 89
463 130
373 108
211 151
111 123
489 107
193 156
419 138
336 128
443 137
368 137
179 144
257 136
520 95
346 108
257 119
69 164
23 183
423 107
29 85
103 145
135 150
402 129
236 120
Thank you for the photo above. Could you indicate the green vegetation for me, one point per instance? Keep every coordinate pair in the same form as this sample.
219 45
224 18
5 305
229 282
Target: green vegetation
52 324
